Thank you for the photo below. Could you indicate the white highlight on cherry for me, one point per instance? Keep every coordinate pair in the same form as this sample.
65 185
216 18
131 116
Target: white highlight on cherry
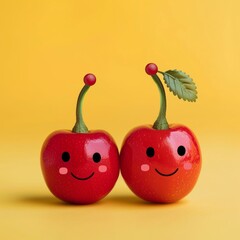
187 166
63 171
102 168
145 167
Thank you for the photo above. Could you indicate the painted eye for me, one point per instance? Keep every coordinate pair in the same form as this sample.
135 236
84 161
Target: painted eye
150 152
65 156
96 157
181 150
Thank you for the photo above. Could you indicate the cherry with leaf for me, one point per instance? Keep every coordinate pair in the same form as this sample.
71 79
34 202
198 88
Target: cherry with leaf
161 162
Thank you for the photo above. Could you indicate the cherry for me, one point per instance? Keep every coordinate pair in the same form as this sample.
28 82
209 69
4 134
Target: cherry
80 166
151 69
161 162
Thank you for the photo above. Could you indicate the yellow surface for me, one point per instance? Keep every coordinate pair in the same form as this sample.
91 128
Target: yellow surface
48 46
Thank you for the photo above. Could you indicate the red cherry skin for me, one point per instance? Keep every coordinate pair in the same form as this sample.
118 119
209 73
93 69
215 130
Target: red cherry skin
151 69
160 166
71 170
89 79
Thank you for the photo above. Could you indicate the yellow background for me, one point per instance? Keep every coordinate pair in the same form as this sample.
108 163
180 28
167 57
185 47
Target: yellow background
46 47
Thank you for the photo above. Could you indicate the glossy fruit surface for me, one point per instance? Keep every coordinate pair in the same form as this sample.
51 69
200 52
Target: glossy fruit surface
80 168
160 165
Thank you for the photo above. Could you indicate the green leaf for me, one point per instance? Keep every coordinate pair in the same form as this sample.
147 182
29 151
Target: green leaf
180 84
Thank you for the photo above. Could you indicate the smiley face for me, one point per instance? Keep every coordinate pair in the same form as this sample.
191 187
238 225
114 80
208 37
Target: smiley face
80 168
150 153
160 165
96 157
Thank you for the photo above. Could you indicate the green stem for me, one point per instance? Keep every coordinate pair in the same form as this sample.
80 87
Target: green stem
80 126
161 122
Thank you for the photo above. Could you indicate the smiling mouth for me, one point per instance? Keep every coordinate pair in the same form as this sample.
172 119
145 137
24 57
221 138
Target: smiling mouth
82 179
166 175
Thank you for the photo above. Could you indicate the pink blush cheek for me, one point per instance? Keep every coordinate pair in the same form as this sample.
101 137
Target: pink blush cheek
102 168
63 171
145 167
187 166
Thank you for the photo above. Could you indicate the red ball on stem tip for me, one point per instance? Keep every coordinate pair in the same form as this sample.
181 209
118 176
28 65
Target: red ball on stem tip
89 79
151 69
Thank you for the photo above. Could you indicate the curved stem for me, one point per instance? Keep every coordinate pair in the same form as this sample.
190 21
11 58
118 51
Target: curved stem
80 126
161 121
